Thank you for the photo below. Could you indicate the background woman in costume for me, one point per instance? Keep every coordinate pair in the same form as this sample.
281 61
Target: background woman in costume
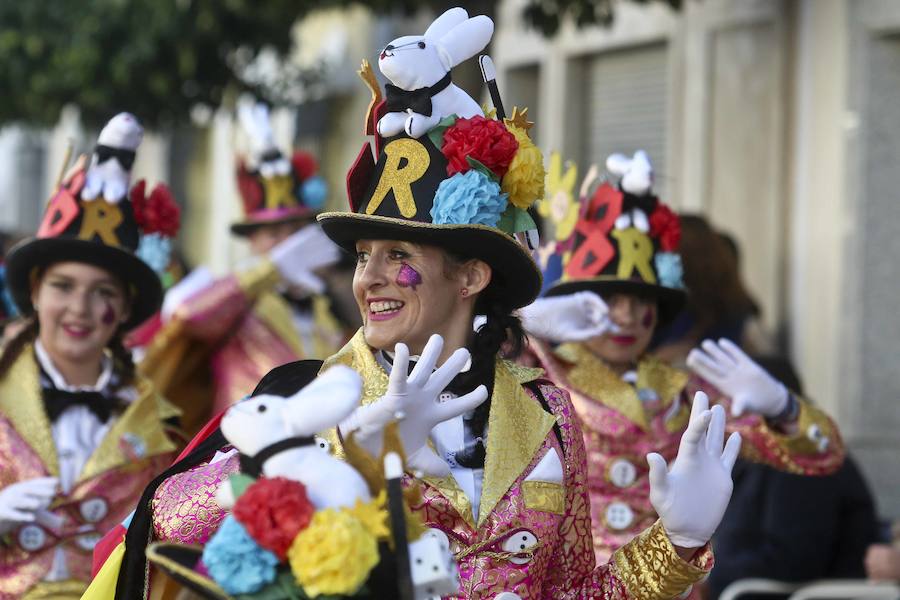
219 336
81 433
621 278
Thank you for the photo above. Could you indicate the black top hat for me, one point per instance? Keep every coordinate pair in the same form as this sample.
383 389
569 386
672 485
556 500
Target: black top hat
624 242
465 186
99 232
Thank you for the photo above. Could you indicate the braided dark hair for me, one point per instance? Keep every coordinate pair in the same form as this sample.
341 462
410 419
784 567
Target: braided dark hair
501 332
14 348
123 362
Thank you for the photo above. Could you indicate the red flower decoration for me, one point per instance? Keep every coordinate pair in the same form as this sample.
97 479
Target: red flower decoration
305 165
485 140
665 225
273 511
157 213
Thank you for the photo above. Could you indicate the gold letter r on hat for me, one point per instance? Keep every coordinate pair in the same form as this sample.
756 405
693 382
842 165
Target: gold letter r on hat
406 161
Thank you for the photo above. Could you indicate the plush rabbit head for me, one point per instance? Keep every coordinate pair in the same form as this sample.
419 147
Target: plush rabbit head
636 172
264 154
415 61
263 420
123 131
109 173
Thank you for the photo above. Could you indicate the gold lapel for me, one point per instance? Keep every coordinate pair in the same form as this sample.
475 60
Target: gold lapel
272 310
517 428
666 381
22 404
449 489
138 433
590 376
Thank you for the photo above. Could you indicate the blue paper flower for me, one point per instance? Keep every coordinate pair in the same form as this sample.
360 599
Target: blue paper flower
669 270
155 250
313 192
468 198
236 562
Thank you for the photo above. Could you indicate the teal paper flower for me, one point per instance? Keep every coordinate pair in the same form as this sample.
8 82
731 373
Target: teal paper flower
469 198
236 562
669 270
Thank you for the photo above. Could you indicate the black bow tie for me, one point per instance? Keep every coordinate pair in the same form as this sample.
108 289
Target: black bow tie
419 101
57 401
104 153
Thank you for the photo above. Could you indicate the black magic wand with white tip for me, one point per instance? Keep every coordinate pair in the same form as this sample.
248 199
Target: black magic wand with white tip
489 75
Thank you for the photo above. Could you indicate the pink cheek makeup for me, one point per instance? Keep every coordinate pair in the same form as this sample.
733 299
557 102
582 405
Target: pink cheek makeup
109 315
408 277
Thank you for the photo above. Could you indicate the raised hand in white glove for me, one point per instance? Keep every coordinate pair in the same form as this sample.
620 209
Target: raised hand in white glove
726 366
20 501
690 497
414 401
302 253
570 318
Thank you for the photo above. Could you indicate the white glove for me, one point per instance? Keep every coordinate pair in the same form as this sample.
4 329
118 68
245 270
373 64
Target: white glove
20 501
571 318
414 401
726 366
302 253
691 496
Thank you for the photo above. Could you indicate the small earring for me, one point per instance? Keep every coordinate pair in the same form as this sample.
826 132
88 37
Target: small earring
464 292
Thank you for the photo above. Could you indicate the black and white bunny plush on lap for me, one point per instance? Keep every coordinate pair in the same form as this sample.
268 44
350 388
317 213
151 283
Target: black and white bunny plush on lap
419 66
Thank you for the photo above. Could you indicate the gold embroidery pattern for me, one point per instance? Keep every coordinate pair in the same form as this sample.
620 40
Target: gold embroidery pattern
518 426
590 376
449 489
21 403
545 496
650 568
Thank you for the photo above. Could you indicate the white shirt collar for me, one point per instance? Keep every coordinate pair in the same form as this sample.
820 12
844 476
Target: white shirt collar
60 382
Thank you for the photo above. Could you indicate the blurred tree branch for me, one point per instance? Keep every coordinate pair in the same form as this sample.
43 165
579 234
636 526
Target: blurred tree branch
161 58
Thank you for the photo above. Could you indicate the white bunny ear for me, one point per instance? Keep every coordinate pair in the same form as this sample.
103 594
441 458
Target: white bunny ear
325 402
618 164
447 21
255 121
639 178
467 39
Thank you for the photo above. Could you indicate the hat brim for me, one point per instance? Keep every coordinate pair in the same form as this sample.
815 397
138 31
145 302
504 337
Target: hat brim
670 300
513 268
179 562
30 254
248 226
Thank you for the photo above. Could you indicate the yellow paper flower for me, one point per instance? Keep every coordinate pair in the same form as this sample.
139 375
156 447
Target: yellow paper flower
560 204
333 555
524 181
373 516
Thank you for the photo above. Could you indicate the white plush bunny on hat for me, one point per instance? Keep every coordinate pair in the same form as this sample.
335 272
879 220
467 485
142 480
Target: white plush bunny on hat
110 171
636 178
259 423
419 66
264 154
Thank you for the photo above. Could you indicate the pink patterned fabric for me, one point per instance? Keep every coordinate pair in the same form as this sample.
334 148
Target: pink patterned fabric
618 478
563 564
92 508
184 507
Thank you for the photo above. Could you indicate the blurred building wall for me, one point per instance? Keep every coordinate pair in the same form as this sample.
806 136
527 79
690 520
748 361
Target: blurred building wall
780 121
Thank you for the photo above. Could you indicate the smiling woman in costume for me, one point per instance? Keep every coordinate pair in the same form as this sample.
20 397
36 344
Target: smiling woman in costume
80 433
621 279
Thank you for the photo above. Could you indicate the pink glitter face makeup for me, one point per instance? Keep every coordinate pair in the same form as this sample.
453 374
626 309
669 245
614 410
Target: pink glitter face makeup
109 315
408 277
